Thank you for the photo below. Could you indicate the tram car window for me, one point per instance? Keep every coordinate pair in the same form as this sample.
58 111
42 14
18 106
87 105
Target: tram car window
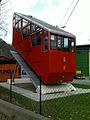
60 42
35 28
46 43
66 43
17 22
25 28
36 39
26 31
18 25
53 41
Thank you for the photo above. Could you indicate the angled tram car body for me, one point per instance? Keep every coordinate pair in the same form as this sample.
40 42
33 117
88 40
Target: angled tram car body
48 50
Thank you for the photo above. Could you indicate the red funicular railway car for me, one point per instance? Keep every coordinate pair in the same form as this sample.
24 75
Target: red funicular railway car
48 50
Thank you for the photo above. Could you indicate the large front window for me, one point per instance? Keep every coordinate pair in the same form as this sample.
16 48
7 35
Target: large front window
62 43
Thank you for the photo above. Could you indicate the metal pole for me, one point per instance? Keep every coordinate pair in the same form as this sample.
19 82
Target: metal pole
12 80
11 87
15 72
40 97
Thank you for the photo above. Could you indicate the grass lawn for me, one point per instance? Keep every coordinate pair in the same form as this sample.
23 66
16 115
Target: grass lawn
85 86
75 107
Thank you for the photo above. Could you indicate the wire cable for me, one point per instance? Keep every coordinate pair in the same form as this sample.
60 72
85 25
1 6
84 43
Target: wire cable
71 12
67 11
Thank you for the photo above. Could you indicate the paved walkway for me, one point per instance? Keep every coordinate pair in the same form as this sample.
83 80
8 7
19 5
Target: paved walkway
14 112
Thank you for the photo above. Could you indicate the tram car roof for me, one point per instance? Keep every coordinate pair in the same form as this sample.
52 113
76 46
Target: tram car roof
46 26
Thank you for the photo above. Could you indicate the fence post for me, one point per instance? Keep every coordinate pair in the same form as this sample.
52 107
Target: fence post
13 77
10 87
40 97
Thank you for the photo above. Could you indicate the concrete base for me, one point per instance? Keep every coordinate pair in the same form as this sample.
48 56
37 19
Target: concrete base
19 80
65 87
44 97
45 89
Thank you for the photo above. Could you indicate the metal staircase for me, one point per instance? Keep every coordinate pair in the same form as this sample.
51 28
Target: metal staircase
35 79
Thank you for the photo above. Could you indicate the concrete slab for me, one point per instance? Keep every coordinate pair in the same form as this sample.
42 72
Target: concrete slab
65 87
20 80
36 96
45 89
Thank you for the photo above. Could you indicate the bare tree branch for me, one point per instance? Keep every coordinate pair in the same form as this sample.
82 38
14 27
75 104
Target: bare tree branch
2 3
4 8
6 11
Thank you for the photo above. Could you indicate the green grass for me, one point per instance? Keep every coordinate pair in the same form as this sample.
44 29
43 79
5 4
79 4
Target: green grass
68 108
85 86
75 107
19 99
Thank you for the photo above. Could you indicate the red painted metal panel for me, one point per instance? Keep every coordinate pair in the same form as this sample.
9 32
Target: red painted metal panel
52 66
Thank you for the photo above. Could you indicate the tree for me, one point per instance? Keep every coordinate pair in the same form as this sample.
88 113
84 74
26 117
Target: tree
4 9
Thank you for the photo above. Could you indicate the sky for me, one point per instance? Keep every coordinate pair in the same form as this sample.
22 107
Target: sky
52 12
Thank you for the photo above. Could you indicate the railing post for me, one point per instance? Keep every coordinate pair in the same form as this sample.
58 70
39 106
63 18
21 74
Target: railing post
40 98
13 77
10 87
